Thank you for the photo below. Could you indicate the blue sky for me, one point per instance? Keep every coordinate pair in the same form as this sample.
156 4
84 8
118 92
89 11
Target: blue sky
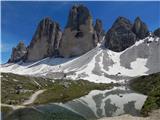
20 19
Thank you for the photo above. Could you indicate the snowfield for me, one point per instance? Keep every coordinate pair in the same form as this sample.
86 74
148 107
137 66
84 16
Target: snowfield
98 65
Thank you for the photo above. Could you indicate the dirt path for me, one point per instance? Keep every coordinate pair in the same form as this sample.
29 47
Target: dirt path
33 97
14 107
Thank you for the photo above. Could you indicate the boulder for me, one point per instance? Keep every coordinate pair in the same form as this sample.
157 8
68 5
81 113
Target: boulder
46 40
120 35
79 36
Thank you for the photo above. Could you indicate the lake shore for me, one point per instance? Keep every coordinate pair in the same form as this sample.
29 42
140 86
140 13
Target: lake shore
154 115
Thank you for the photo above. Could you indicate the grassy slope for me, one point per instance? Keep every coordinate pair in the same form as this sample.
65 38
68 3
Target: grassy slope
148 85
58 91
75 89
9 83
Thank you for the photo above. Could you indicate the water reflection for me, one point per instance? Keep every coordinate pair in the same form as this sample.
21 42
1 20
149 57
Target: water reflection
95 105
108 103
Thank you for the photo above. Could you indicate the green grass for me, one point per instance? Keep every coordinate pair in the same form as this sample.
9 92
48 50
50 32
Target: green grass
58 91
76 89
10 81
6 109
150 86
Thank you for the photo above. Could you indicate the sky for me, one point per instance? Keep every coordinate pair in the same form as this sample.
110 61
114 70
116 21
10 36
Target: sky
20 19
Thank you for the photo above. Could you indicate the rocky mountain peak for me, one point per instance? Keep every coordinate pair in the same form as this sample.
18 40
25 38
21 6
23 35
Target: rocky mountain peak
140 28
120 35
99 29
122 22
78 15
18 53
79 35
45 42
123 33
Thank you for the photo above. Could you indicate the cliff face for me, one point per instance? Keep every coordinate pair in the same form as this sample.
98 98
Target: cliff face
79 35
99 29
140 28
120 36
45 42
18 53
124 34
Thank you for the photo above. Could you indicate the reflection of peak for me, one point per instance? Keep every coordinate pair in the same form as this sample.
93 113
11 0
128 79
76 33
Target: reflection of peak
131 109
45 112
108 103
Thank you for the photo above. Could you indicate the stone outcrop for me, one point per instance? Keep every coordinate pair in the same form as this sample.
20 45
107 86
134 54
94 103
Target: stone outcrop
120 35
79 35
46 40
140 28
18 53
124 34
99 29
157 32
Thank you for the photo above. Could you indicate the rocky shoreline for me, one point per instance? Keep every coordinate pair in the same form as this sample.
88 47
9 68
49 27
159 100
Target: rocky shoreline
154 115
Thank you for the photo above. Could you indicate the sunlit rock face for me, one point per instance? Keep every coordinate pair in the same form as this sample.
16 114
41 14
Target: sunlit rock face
79 36
45 42
140 28
18 53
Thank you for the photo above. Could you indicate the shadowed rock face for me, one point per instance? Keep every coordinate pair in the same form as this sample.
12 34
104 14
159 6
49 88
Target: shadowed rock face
120 35
99 29
18 53
157 32
123 34
77 17
45 42
79 35
140 29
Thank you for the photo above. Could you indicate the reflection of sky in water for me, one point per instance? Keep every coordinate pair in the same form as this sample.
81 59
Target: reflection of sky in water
113 102
96 104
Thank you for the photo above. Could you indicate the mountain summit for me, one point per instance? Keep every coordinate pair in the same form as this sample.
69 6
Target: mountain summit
140 28
45 41
79 36
18 53
123 33
120 36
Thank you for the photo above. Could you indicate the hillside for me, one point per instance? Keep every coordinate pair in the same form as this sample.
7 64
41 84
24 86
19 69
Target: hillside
98 65
19 91
148 85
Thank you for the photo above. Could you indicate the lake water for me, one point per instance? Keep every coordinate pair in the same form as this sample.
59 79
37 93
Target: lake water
97 104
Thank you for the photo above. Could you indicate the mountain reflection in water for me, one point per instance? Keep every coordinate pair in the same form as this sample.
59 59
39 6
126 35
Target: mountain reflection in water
96 104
